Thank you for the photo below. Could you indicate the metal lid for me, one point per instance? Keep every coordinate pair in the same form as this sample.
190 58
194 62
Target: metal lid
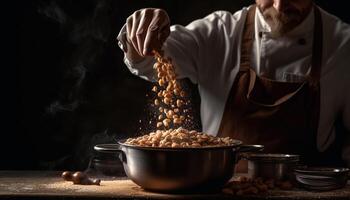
264 157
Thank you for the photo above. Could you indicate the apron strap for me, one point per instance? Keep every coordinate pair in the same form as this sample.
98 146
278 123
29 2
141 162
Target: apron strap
247 39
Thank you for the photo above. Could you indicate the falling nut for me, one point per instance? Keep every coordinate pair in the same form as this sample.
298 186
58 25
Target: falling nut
156 102
170 114
182 94
157 65
154 89
161 82
167 101
177 121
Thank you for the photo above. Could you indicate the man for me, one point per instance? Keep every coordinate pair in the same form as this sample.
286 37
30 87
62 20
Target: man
276 73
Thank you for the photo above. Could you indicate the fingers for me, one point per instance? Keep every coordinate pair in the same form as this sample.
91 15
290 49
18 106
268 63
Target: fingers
146 17
158 31
151 40
147 29
132 26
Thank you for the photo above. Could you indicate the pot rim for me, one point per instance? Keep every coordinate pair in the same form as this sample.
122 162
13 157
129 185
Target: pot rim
272 157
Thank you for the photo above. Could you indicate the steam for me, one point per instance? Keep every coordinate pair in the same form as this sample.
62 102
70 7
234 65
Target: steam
54 12
86 28
88 34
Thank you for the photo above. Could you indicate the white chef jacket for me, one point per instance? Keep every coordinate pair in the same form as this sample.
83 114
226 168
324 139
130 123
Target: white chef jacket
207 51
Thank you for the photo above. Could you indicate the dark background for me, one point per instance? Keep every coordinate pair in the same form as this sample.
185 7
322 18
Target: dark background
64 86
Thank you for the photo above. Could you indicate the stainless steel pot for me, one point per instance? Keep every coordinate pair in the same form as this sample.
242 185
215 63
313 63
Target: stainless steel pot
178 169
272 166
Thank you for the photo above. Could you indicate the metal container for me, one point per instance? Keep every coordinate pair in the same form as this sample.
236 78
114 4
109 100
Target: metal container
321 178
272 166
178 169
105 164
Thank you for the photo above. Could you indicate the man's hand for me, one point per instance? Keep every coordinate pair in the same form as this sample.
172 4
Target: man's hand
147 29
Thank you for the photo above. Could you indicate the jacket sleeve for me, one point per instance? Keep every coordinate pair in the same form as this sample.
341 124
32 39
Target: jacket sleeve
186 45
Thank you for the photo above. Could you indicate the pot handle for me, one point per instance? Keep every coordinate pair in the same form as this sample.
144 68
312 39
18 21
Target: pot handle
111 148
246 148
108 148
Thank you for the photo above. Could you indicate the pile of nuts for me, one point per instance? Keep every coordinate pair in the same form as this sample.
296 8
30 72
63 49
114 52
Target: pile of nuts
79 178
247 186
179 138
170 96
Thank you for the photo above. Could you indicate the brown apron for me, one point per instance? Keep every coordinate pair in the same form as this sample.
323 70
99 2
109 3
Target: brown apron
283 116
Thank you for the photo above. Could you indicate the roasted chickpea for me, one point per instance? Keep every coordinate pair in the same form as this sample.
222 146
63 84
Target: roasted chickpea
67 176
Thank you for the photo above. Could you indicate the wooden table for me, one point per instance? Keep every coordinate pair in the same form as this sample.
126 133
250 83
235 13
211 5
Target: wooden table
49 185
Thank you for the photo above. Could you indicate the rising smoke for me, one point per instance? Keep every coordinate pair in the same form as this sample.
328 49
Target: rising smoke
81 106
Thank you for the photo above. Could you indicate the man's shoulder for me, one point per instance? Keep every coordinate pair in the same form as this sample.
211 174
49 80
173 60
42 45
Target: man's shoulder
336 37
335 29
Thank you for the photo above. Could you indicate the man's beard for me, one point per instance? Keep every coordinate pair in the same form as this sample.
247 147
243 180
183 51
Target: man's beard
280 23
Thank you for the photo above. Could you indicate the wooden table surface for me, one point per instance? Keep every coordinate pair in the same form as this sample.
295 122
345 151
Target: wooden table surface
49 185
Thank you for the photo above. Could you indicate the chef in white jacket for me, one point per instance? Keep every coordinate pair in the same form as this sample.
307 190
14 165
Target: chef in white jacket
275 73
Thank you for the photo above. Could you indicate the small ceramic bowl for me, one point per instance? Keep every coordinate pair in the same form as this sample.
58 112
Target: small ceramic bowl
321 178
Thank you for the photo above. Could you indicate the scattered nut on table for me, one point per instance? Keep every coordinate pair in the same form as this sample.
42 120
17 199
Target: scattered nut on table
246 186
79 178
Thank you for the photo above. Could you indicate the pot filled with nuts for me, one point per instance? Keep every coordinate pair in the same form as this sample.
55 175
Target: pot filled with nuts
177 160
174 159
